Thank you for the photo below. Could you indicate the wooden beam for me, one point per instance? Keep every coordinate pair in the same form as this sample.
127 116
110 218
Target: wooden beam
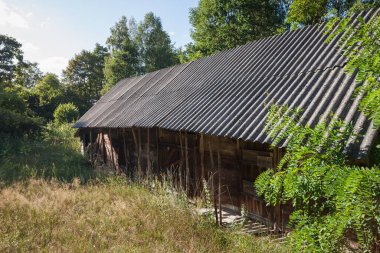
125 152
187 166
148 151
91 146
136 148
158 149
139 153
182 158
104 149
202 155
111 148
212 180
195 167
219 182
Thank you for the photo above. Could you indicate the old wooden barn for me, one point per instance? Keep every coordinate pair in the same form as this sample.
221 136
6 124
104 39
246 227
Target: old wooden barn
205 119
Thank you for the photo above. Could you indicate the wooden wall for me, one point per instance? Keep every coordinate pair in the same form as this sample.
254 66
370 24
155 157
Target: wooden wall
232 164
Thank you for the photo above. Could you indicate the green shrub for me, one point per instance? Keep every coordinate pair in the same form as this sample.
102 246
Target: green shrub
330 199
15 117
54 154
66 113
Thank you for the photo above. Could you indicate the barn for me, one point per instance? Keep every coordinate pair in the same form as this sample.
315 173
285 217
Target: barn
205 119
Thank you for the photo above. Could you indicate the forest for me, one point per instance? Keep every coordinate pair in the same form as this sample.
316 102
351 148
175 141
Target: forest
40 151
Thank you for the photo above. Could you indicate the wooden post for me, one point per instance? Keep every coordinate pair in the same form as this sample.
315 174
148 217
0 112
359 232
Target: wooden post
214 200
202 155
187 166
195 166
219 183
91 146
148 151
158 149
139 153
182 158
104 148
112 157
238 159
125 152
212 180
136 148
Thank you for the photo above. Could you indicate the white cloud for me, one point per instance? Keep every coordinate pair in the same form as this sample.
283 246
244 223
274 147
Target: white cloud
27 46
171 33
53 64
9 17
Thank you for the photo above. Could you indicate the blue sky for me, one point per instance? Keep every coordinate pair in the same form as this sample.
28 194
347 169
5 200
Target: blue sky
53 31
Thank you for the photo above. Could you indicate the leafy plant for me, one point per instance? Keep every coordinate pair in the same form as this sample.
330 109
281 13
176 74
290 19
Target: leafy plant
66 113
331 200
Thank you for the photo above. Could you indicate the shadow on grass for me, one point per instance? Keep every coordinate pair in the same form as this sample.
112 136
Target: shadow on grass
22 158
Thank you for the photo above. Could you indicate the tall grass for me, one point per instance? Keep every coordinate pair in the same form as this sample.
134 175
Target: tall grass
54 154
111 216
52 201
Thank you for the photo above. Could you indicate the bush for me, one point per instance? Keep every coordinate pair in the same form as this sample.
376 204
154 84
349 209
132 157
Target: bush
66 113
15 117
55 156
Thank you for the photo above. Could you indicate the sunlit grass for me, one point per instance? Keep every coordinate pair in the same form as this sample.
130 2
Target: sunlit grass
110 216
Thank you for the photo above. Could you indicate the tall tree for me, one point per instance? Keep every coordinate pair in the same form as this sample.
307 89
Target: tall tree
48 94
11 56
27 74
309 12
84 74
155 47
224 24
123 61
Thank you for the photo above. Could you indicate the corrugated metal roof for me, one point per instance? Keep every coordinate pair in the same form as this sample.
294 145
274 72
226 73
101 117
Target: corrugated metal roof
229 93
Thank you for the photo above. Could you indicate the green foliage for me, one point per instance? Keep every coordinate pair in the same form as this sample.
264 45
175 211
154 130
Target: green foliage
330 199
11 56
310 12
84 75
66 113
55 156
46 96
220 25
119 66
155 48
27 74
15 117
360 44
124 59
307 12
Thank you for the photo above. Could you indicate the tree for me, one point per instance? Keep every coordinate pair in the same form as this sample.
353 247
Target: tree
15 116
47 95
155 48
360 44
330 198
124 60
11 56
66 113
118 66
28 74
309 12
84 74
224 24
122 35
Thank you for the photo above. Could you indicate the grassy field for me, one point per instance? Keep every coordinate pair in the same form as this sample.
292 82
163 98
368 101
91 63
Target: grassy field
110 216
52 201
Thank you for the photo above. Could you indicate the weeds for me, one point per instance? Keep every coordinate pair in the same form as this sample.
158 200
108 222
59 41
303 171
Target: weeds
110 215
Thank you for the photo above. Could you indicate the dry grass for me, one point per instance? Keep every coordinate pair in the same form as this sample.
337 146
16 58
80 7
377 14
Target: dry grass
109 217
